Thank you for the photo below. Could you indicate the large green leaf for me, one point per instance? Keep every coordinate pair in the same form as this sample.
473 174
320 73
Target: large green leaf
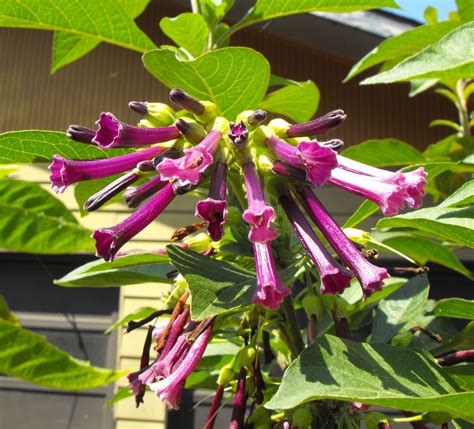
462 341
464 196
364 211
32 358
34 221
384 153
32 146
403 45
463 375
216 286
235 79
378 374
126 270
466 9
103 20
188 31
450 57
399 309
69 47
271 9
214 10
455 307
423 250
298 101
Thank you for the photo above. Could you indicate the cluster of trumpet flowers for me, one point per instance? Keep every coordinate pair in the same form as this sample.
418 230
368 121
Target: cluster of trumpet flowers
259 163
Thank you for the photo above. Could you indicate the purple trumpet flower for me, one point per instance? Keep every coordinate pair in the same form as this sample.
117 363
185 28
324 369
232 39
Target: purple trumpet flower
214 209
113 133
110 240
258 214
65 172
414 183
370 276
80 134
240 399
388 192
334 277
190 168
270 289
317 160
325 123
170 388
134 195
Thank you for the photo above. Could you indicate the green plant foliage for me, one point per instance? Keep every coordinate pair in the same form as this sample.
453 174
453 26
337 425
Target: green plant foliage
29 147
125 270
32 358
188 30
69 47
5 313
34 221
463 375
298 101
103 20
214 10
364 211
398 310
235 79
466 10
455 307
450 57
377 374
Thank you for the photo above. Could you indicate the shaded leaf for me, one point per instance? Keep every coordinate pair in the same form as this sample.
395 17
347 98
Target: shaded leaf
455 307
32 358
5 312
235 79
463 341
34 221
463 375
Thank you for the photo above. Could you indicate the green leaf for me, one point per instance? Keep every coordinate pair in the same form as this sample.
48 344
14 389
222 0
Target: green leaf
450 57
421 85
455 307
399 309
374 374
138 314
364 211
103 20
121 394
125 270
466 9
298 101
5 313
216 286
188 31
32 358
445 123
271 9
34 221
214 10
69 47
431 15
463 375
5 172
32 146
463 341
384 153
402 46
235 79
464 196
423 250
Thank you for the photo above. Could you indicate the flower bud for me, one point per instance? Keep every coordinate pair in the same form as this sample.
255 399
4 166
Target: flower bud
80 134
185 101
225 376
190 130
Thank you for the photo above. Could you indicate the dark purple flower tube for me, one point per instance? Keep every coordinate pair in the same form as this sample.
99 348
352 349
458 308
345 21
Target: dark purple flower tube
135 195
80 134
214 209
216 403
270 289
185 101
287 170
190 168
370 276
325 123
334 277
110 240
65 172
258 214
114 133
240 399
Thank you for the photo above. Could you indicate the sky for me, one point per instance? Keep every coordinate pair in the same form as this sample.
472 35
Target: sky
414 8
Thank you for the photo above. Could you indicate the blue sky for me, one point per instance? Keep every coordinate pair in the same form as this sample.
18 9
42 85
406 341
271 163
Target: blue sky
414 8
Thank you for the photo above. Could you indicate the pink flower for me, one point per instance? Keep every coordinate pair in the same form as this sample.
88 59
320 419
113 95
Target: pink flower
318 160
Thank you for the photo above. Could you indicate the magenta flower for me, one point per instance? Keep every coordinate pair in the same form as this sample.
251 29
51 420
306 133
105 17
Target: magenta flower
240 400
110 240
135 195
258 214
189 169
238 133
317 160
270 289
370 276
169 389
416 184
325 123
113 133
334 277
388 192
214 209
214 409
65 172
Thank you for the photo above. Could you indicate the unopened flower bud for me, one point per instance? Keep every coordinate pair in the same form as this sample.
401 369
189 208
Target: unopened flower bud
190 130
146 166
139 107
317 126
80 134
225 376
257 117
334 144
238 133
183 100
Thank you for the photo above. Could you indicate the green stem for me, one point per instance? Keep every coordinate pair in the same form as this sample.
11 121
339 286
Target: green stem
195 6
238 191
295 341
462 108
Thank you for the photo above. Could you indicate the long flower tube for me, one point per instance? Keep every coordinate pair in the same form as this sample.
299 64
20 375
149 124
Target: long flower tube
317 126
334 277
370 276
135 195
